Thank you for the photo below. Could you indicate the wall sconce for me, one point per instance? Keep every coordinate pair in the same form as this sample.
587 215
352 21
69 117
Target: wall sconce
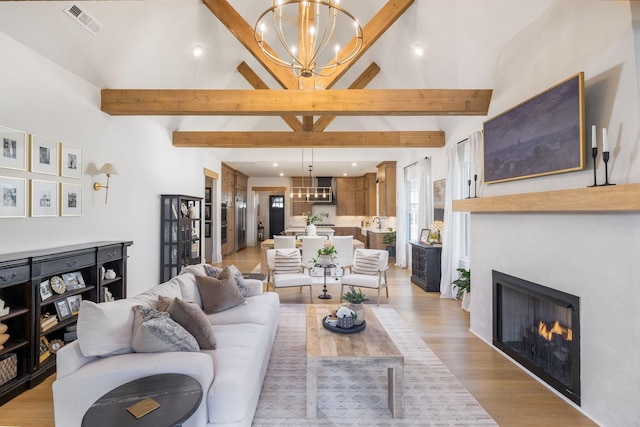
109 170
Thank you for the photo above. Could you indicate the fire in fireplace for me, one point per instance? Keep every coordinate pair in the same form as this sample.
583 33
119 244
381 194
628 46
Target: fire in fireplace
539 327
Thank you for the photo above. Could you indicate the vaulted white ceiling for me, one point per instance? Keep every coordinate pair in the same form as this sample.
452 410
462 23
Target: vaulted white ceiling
147 44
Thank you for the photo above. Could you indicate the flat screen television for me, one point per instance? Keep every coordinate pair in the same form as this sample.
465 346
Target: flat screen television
544 135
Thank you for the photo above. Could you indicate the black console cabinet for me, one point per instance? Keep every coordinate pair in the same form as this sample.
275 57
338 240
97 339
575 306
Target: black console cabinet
26 288
425 266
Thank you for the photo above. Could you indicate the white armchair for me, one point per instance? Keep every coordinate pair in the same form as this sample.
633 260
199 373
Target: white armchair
285 270
369 271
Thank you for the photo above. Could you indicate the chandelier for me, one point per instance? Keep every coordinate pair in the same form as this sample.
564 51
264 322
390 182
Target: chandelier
306 35
312 192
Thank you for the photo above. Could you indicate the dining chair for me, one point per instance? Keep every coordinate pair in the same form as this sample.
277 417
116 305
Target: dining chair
344 252
285 270
284 242
310 246
369 271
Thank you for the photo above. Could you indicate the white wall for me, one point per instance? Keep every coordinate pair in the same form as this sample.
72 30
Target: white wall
41 98
593 256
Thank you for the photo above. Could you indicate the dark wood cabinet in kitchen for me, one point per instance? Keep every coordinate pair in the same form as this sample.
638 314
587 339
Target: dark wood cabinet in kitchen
425 266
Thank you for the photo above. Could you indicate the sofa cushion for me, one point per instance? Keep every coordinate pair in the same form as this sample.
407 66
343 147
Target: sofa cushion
168 289
261 309
239 366
105 329
218 295
366 264
191 317
232 271
154 331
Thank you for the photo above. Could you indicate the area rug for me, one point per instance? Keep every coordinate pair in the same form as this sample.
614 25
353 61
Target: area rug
433 396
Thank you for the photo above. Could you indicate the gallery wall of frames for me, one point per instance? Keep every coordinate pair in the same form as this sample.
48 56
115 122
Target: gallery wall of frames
53 186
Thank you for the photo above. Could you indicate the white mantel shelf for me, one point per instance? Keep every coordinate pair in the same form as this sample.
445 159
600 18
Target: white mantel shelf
614 198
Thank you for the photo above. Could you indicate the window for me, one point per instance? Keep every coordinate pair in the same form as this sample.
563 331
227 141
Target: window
277 202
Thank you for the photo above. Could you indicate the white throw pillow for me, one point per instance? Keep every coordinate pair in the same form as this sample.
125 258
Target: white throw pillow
106 328
287 261
366 264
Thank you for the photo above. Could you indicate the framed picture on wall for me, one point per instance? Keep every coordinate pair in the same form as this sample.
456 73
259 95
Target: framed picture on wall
70 199
44 198
13 197
438 199
14 144
70 161
44 155
207 229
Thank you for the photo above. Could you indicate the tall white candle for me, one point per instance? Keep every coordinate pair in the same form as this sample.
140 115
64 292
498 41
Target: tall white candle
594 141
605 144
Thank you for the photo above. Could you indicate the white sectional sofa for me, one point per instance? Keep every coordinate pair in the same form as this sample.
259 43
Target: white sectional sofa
231 375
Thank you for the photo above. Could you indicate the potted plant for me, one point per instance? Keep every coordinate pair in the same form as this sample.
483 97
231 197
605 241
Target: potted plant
463 284
356 300
326 256
389 239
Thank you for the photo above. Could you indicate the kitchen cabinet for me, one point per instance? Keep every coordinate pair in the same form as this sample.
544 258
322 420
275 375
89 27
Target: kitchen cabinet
350 196
386 188
374 240
425 266
370 195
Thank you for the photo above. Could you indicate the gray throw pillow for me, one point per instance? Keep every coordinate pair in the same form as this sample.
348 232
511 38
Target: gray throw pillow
218 295
211 271
232 271
155 332
192 318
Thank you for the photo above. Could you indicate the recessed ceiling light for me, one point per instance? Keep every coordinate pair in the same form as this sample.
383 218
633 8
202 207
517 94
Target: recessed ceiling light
281 173
275 164
418 49
197 51
354 164
345 174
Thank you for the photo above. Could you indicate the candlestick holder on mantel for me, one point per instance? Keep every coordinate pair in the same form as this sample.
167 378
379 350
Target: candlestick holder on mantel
475 186
469 186
605 159
594 154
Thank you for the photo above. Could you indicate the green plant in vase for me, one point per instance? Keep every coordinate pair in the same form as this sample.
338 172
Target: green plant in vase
356 299
326 256
389 240
463 283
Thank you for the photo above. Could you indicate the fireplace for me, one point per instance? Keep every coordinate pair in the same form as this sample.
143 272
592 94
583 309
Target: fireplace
539 327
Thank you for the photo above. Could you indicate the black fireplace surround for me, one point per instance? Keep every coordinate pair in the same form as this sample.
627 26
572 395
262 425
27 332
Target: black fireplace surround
539 327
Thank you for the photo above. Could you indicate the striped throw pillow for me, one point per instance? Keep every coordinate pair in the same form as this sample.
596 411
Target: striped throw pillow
366 264
287 261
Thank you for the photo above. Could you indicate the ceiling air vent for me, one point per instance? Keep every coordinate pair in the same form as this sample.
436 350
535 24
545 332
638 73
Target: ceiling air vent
82 17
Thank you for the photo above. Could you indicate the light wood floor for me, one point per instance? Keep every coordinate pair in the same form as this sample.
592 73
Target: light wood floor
508 394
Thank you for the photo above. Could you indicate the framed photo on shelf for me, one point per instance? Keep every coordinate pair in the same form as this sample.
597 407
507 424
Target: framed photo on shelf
70 199
73 280
207 212
45 290
424 236
62 307
44 155
14 143
207 229
74 303
44 349
44 198
70 161
13 200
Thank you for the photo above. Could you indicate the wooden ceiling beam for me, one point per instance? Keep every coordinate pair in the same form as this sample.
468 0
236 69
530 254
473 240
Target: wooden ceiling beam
408 139
236 24
371 32
254 80
343 102
360 83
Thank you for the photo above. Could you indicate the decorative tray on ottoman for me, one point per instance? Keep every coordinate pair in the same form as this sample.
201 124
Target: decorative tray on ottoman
338 330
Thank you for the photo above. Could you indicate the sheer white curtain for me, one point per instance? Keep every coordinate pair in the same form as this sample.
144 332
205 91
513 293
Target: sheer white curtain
402 226
425 195
451 234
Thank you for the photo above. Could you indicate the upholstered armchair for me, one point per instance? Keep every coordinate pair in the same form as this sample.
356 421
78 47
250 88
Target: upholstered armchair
369 271
285 270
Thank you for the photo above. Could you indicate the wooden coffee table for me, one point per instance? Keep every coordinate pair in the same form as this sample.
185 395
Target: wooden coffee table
178 395
371 349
